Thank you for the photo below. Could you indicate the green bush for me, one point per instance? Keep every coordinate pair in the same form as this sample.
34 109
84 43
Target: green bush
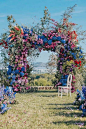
41 80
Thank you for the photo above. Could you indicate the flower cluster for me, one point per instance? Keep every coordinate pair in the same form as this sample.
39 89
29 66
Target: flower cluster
7 96
28 40
81 100
21 40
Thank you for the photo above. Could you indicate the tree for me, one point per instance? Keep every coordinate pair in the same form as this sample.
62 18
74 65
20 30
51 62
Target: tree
51 65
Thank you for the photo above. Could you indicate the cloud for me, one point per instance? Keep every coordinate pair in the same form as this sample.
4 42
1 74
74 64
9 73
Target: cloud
79 11
57 14
3 15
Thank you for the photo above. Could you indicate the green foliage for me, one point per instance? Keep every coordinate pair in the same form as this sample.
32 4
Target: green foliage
41 80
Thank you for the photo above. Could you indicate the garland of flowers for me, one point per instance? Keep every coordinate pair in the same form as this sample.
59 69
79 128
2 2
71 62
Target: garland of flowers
21 40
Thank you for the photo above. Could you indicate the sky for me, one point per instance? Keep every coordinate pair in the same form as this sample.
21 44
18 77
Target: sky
27 11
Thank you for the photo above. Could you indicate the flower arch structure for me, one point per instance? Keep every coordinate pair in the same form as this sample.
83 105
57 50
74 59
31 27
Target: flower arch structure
21 40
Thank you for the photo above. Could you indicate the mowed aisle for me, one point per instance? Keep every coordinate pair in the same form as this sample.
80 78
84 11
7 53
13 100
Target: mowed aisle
43 110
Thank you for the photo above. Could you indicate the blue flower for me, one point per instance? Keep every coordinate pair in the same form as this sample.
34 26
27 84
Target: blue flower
14 94
23 69
35 43
84 111
74 57
42 37
16 71
80 50
77 48
65 55
10 66
11 45
39 36
36 47
62 76
61 80
50 42
78 91
24 37
54 38
9 77
2 106
32 29
45 40
21 74
38 44
64 84
63 41
9 72
79 56
80 108
25 30
59 38
13 76
13 80
66 76
8 40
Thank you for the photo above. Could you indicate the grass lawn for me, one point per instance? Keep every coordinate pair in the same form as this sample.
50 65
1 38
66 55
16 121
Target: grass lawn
42 110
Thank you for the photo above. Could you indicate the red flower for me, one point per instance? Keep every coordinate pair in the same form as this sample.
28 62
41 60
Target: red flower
1 43
61 50
72 23
70 58
25 75
77 62
46 44
27 66
17 28
32 45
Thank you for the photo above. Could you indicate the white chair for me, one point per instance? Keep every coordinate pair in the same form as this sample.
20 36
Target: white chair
66 89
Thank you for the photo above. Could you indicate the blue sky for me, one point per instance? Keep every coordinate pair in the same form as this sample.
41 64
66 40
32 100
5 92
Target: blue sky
27 11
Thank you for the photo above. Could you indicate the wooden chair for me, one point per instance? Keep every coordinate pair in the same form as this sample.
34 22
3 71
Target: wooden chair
66 89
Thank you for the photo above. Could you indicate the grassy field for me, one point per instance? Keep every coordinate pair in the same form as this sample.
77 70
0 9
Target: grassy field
42 110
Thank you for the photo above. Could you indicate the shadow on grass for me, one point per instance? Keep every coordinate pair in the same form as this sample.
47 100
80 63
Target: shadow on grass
46 91
60 104
67 114
64 108
71 122
48 95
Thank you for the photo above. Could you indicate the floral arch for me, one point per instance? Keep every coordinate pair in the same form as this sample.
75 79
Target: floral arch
60 39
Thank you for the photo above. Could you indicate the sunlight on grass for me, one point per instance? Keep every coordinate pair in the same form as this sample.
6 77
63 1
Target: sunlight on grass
42 110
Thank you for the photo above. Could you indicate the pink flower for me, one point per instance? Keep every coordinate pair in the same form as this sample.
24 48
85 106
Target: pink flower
53 20
16 56
26 81
27 88
15 89
55 24
16 60
72 46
